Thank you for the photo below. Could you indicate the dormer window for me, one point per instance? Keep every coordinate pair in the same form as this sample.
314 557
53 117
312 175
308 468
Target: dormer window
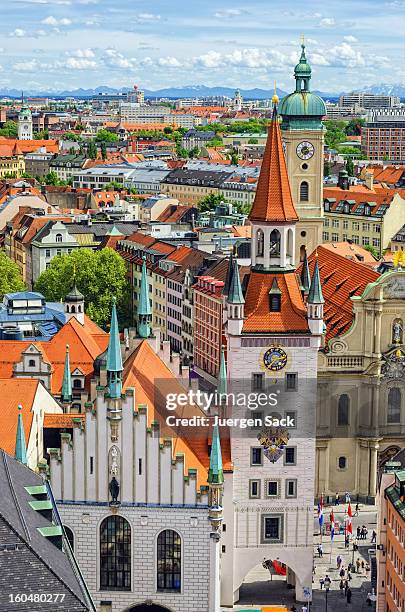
275 297
327 206
366 210
346 208
59 238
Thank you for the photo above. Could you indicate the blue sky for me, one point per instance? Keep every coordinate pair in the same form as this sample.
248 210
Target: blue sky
58 44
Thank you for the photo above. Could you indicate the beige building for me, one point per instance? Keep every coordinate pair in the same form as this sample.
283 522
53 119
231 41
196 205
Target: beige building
153 207
12 166
189 187
361 375
362 215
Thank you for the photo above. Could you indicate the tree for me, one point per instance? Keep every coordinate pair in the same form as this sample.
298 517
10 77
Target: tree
9 130
41 135
72 136
10 276
326 168
52 178
100 275
234 157
106 136
113 186
335 132
181 151
353 128
371 249
350 167
210 202
168 130
92 150
253 141
194 152
103 148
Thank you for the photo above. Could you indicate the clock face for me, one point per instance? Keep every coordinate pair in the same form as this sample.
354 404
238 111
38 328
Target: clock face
305 150
274 359
25 127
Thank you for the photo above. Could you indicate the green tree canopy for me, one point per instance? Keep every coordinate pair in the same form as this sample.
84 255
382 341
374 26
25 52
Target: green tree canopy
350 167
72 136
10 276
371 249
210 202
100 275
106 136
9 130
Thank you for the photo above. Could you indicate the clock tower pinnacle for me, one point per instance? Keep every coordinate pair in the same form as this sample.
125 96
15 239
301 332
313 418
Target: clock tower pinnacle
303 136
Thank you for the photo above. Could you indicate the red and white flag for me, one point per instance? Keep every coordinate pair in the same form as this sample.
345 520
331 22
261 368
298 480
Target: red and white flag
349 511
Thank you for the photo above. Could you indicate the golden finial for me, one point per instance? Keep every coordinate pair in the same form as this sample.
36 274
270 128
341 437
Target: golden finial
275 99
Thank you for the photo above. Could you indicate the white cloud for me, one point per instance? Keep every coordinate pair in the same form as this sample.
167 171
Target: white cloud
345 55
170 62
55 2
113 59
147 17
350 39
74 63
28 66
327 22
52 21
247 58
82 53
18 33
228 13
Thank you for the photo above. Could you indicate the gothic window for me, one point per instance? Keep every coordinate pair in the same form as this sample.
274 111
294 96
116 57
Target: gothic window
394 405
69 536
169 561
343 410
260 243
397 328
59 238
304 191
73 309
275 241
115 554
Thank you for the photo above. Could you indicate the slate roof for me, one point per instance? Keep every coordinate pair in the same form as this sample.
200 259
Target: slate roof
29 562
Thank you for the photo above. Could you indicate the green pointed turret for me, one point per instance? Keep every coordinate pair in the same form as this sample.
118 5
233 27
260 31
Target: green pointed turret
66 393
315 292
144 308
20 444
235 291
229 274
216 472
114 358
305 276
222 376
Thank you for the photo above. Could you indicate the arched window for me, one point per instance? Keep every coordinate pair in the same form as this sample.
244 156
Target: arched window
260 243
73 309
343 410
70 537
31 363
290 243
115 554
302 252
77 383
304 191
169 561
59 238
275 240
394 405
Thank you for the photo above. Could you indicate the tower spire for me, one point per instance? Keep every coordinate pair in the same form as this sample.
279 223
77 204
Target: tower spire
222 376
215 472
20 444
235 295
273 200
144 309
114 358
315 291
66 393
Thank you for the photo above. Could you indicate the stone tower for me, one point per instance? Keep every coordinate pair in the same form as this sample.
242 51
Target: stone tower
24 123
303 138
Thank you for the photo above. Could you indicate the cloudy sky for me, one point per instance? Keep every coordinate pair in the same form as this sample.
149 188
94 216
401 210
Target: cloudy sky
59 44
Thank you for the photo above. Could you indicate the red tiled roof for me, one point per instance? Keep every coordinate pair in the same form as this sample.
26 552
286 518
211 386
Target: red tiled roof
28 146
341 279
61 421
273 200
15 391
292 316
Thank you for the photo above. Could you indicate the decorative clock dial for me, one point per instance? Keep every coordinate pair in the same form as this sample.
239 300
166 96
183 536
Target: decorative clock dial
274 359
305 150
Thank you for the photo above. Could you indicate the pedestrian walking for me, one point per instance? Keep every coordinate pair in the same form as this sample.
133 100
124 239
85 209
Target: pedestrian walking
374 536
346 586
358 565
349 595
337 499
293 609
357 510
363 565
321 582
341 587
359 532
320 550
342 573
347 541
338 561
304 609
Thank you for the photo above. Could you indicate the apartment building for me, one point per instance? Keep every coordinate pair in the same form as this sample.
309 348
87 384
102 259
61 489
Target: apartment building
189 186
383 136
368 100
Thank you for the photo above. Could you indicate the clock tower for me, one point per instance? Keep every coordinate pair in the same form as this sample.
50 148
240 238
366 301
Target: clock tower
24 123
303 137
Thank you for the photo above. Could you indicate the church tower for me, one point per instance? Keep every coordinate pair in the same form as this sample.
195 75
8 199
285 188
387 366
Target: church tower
303 138
24 122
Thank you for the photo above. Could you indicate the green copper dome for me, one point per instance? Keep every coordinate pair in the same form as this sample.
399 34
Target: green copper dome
302 109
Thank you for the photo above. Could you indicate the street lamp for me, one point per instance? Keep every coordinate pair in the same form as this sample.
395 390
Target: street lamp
327 587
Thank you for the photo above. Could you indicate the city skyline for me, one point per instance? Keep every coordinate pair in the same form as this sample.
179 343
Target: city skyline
65 44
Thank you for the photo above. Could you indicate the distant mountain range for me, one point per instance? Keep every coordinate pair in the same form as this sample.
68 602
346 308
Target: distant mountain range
197 91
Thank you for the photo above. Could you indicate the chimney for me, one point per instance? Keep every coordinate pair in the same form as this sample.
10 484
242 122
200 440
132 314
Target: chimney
369 180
